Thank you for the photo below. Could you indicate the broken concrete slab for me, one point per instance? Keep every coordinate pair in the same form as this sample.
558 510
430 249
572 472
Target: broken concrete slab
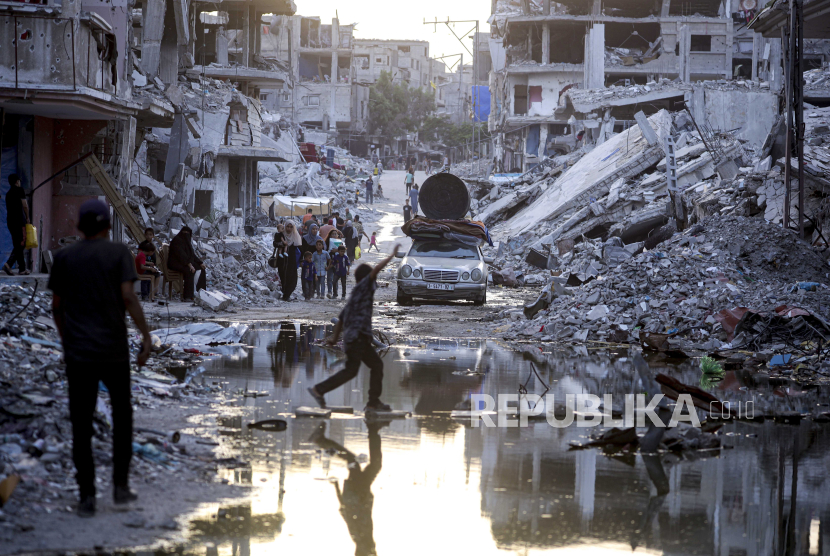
624 155
727 169
213 300
645 127
497 208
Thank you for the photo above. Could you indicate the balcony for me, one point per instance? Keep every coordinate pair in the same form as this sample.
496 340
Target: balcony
61 67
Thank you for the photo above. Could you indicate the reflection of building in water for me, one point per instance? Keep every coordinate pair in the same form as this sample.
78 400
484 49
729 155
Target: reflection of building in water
536 492
236 526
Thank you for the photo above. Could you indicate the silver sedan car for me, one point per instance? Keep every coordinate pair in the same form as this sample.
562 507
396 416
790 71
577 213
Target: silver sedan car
442 269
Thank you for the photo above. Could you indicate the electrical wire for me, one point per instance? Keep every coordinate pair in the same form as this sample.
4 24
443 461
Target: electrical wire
27 305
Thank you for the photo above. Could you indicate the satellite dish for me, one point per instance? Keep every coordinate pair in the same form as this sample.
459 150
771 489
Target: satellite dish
747 5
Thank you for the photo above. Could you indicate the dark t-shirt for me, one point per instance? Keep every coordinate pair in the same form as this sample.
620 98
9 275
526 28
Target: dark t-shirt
279 237
14 207
407 213
87 276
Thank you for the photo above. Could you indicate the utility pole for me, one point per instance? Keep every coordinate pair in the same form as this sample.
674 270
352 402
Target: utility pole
461 74
795 111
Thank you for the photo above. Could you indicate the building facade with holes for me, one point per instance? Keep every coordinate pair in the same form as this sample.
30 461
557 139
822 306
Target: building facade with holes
65 90
609 45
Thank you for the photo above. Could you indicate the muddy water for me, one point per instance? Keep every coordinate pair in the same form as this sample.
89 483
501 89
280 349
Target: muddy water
435 485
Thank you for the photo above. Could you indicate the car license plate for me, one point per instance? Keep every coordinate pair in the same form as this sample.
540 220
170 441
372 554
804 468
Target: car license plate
445 287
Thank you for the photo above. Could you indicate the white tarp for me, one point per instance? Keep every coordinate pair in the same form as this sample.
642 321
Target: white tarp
201 335
295 206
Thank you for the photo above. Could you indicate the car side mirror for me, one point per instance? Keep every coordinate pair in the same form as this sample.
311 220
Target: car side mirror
399 256
489 260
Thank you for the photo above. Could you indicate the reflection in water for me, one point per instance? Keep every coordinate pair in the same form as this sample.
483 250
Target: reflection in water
356 498
448 488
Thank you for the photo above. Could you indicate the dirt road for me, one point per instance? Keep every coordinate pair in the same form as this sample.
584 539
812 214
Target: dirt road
425 318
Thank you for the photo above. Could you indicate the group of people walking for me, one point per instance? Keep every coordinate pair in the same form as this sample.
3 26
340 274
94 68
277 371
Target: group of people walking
324 254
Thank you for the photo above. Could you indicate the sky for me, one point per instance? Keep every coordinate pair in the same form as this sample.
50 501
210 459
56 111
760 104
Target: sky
393 19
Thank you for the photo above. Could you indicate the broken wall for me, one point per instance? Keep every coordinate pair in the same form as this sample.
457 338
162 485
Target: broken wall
43 53
753 113
332 103
543 90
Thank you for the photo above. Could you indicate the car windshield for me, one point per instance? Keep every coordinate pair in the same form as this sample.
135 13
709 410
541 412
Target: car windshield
444 249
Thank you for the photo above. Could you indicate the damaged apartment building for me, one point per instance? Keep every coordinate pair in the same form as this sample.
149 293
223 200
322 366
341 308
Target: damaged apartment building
321 92
164 93
67 91
575 72
208 64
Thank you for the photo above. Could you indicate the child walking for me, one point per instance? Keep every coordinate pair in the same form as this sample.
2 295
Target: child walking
309 275
340 264
320 258
330 272
373 242
355 324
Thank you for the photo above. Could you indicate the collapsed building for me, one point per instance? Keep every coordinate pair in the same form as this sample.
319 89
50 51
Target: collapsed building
653 231
321 92
91 77
550 48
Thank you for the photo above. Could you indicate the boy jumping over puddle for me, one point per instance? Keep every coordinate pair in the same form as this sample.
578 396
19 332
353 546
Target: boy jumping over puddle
355 322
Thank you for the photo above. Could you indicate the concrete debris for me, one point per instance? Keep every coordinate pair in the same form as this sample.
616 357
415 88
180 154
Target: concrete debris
182 176
674 290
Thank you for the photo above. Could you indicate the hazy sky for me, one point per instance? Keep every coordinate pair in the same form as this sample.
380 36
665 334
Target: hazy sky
393 19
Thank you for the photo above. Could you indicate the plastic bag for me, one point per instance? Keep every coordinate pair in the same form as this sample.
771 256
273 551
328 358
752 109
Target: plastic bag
31 237
356 253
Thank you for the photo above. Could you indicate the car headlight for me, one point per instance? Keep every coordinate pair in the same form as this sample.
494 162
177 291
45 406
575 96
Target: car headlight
416 273
476 275
465 276
406 271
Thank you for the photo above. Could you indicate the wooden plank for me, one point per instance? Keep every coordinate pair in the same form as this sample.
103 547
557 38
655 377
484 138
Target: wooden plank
94 167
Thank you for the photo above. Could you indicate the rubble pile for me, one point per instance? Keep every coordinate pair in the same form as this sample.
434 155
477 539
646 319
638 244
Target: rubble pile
678 287
238 272
35 432
817 83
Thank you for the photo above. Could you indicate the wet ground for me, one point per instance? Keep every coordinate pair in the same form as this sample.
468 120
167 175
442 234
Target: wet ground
434 484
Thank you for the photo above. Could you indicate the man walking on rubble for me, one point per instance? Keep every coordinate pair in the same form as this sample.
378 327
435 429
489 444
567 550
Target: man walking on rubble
92 285
17 216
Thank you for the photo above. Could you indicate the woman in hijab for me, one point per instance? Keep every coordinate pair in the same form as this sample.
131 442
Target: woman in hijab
310 240
350 237
182 258
287 268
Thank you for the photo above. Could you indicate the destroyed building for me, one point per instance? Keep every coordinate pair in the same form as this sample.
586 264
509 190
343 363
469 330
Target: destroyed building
135 85
207 161
550 48
322 92
67 88
407 61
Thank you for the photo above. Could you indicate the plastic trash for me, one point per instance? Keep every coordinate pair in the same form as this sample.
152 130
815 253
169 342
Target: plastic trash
806 286
149 452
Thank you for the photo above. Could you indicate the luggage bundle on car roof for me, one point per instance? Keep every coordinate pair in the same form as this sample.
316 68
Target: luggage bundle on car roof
445 201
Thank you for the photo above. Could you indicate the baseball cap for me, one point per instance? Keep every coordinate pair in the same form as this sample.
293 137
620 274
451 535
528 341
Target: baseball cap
93 216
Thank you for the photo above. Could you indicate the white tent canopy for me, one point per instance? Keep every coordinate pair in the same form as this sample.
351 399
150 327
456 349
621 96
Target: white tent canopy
295 206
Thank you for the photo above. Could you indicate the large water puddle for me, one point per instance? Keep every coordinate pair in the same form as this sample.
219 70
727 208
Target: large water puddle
432 484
